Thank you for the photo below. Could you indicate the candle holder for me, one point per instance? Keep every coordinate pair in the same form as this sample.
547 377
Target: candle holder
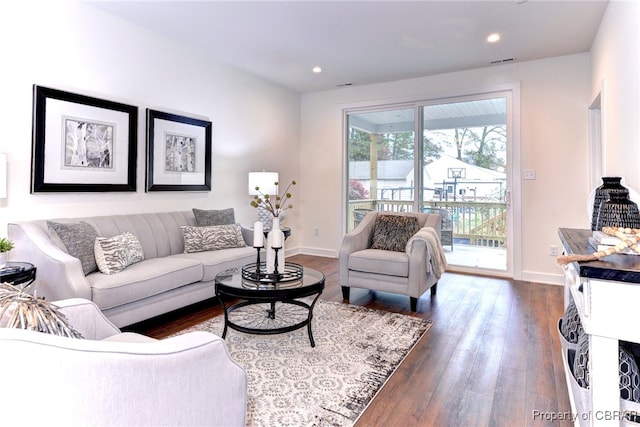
276 273
257 248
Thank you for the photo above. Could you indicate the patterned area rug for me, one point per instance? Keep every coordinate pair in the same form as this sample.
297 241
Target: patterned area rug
292 384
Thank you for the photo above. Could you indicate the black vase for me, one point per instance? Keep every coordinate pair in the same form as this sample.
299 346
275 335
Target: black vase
602 194
618 211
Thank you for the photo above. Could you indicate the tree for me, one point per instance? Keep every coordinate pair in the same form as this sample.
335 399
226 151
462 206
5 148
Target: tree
359 145
486 146
357 190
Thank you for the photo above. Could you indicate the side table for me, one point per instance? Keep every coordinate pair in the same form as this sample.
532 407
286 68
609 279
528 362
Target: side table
20 274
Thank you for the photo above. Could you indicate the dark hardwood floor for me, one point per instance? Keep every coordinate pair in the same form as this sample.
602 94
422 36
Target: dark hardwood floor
491 358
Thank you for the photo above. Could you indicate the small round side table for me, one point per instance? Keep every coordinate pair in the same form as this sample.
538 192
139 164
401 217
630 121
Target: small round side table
19 274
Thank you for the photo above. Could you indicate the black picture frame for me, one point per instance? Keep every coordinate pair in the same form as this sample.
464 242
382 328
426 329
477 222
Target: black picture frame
178 153
81 143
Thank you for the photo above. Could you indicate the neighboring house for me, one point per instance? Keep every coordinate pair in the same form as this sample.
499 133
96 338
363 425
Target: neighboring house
451 179
396 177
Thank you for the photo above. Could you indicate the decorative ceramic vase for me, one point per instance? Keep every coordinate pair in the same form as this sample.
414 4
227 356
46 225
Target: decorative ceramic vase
4 257
602 194
618 211
271 253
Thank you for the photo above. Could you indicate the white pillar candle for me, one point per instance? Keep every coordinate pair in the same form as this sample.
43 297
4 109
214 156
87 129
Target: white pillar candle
258 235
277 239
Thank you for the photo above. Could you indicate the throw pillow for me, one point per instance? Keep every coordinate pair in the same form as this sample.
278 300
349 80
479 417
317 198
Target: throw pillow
571 327
199 239
78 239
392 232
629 375
214 217
581 363
21 310
116 253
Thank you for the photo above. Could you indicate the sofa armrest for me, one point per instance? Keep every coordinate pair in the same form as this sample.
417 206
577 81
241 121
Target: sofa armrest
59 275
85 317
357 240
185 380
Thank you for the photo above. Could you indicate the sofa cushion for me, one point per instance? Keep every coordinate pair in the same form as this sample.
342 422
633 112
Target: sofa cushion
143 279
116 253
198 239
78 239
392 232
380 261
214 262
206 218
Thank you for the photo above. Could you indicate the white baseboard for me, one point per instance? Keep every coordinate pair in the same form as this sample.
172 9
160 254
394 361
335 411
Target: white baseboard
318 252
549 279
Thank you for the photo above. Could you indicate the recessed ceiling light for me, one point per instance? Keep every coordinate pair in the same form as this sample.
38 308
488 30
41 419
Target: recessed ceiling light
493 38
317 69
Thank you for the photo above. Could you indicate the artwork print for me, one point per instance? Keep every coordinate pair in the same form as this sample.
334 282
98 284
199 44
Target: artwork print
81 143
88 144
180 153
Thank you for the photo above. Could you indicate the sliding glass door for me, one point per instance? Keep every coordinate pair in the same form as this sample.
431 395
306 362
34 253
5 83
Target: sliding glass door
457 167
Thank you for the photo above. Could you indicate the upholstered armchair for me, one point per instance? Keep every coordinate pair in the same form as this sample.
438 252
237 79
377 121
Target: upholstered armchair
117 379
393 252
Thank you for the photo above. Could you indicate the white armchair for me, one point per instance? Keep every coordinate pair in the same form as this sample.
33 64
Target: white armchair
117 379
410 271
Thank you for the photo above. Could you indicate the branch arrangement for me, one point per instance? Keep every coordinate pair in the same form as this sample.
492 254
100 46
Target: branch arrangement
629 238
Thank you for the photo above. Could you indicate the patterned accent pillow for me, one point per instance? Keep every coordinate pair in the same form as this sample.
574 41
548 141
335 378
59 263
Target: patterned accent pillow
116 253
78 239
392 232
571 327
199 239
581 363
214 217
629 375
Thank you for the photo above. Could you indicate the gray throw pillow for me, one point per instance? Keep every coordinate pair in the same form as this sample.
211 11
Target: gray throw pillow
205 218
78 239
392 232
116 253
199 239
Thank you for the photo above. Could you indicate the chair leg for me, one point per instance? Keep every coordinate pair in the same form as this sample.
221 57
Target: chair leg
434 288
414 303
345 293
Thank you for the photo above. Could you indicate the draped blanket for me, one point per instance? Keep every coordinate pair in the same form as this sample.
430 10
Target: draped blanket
436 261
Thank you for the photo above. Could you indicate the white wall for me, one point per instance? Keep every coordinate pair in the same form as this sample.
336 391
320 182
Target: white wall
615 64
553 136
75 47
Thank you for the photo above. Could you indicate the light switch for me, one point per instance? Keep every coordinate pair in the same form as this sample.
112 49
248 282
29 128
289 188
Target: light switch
529 174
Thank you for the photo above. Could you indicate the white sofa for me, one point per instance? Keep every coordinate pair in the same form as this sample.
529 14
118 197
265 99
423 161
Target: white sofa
118 379
167 278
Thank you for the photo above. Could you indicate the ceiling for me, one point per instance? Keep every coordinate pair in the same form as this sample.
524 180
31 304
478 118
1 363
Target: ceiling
365 42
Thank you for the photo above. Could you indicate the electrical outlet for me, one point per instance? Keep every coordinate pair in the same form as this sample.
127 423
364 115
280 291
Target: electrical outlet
316 231
529 174
553 250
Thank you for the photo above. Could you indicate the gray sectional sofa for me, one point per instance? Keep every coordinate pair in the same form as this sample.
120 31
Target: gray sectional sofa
165 280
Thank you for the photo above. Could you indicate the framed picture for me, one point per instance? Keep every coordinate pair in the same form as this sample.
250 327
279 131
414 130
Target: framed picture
82 143
178 153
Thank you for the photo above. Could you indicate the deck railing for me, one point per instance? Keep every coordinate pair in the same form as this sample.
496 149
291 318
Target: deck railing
473 223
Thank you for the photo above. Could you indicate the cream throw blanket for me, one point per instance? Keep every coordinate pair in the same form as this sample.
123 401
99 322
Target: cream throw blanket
436 262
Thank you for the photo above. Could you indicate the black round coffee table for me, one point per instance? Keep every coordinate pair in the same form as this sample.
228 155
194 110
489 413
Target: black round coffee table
269 307
19 274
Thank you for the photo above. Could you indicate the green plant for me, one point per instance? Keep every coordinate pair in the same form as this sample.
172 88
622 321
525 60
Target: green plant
5 245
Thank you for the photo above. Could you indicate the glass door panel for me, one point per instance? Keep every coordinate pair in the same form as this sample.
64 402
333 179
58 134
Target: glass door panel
380 169
465 179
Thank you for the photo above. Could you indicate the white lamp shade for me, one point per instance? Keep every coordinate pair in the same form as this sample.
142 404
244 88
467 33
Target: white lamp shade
265 181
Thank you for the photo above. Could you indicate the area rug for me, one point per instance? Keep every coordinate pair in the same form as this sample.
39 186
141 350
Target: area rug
291 383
